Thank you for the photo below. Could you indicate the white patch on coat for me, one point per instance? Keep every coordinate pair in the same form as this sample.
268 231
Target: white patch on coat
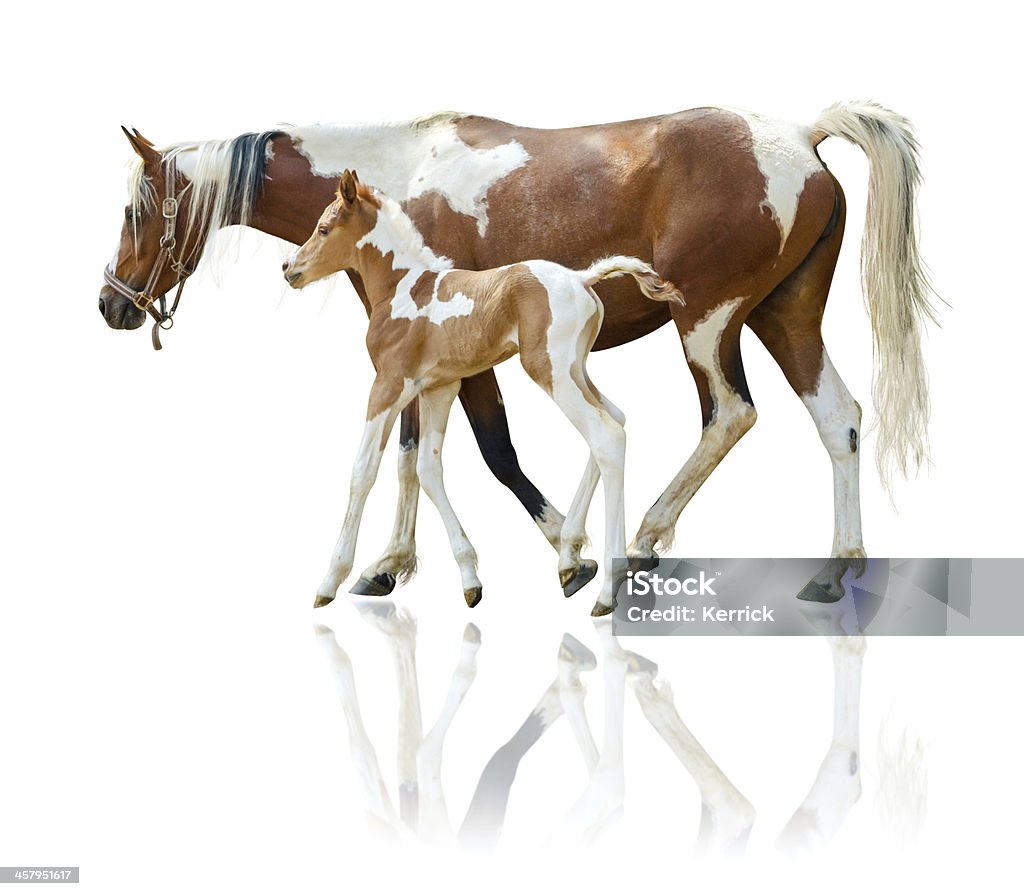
437 311
702 349
412 159
395 233
786 159
571 304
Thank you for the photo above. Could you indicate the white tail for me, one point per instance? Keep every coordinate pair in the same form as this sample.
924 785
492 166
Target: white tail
651 285
895 284
902 799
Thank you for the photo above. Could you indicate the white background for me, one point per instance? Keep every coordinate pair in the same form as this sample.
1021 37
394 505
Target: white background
166 517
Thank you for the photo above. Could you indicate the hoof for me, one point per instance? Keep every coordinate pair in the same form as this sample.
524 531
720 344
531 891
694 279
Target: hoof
379 586
601 609
812 591
581 575
640 666
321 601
571 649
642 564
473 596
565 576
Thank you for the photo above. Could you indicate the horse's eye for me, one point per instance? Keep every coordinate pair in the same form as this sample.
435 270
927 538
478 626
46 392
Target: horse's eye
131 216
323 230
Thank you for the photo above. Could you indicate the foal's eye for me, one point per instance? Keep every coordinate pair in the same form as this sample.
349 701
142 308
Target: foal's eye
323 230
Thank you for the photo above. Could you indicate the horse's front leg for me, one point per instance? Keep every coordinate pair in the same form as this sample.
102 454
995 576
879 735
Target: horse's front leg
386 401
398 562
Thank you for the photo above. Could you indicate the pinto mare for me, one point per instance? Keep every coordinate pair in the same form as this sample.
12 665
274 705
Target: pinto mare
736 209
431 325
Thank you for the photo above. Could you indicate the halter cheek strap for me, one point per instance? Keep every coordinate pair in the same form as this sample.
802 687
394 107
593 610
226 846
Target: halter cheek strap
143 299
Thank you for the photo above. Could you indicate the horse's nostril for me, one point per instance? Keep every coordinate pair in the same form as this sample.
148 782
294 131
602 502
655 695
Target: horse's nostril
284 267
103 307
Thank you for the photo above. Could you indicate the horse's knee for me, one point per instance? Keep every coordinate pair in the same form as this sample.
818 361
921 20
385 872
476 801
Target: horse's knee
610 447
734 416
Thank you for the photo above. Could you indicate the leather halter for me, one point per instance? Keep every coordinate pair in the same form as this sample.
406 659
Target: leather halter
143 299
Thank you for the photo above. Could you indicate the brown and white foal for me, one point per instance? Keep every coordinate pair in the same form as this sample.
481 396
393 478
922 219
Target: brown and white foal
432 325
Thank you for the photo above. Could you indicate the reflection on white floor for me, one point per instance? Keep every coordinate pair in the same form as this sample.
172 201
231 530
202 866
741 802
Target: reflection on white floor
727 816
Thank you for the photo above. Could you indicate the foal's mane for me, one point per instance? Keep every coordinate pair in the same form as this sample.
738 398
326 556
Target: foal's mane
226 181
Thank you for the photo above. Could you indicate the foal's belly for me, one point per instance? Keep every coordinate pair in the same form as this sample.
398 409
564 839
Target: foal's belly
456 365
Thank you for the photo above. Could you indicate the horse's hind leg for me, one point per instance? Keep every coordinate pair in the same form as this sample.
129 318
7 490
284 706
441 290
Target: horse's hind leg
435 405
836 787
712 347
788 322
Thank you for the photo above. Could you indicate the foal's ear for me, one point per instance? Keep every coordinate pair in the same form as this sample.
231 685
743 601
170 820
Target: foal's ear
348 186
142 147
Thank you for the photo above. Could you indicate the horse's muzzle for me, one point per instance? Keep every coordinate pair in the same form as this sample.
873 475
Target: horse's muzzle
118 312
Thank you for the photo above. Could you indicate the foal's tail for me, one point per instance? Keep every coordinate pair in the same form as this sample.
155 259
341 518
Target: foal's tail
892 276
651 285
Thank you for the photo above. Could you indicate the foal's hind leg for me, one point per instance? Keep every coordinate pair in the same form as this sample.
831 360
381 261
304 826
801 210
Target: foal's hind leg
712 347
788 322
607 441
574 573
434 407
555 357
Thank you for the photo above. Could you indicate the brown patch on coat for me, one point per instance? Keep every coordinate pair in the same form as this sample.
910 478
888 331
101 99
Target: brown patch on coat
422 291
788 321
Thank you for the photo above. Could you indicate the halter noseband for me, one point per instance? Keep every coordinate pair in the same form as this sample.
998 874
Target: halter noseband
144 299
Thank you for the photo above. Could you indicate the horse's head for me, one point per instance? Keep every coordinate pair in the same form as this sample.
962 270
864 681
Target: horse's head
333 244
156 251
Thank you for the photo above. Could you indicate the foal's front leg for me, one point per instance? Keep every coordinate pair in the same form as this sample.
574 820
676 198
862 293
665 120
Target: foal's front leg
434 407
398 562
381 415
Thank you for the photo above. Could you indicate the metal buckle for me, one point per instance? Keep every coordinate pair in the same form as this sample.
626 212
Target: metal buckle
170 207
143 302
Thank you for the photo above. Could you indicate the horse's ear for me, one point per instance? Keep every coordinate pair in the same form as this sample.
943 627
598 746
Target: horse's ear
142 139
142 147
348 186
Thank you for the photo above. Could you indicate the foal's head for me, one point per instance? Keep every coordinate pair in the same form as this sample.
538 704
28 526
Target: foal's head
332 247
